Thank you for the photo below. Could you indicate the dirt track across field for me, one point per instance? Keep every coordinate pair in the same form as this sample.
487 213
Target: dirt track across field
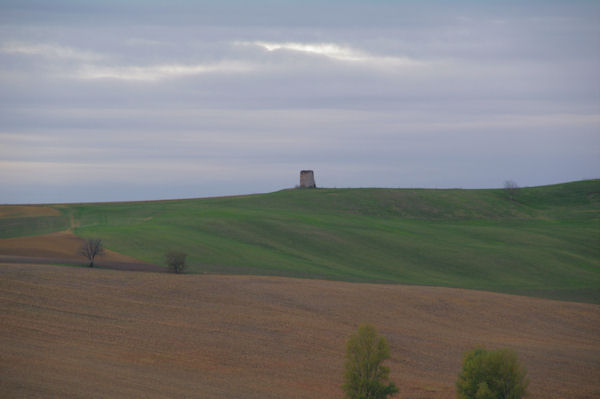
77 332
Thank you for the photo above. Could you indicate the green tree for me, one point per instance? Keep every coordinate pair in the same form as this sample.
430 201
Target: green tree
365 377
491 375
176 261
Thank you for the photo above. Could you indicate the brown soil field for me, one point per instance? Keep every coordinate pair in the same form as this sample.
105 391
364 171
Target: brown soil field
63 248
63 245
79 333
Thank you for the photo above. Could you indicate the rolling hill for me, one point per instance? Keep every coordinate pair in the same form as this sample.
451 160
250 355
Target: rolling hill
545 243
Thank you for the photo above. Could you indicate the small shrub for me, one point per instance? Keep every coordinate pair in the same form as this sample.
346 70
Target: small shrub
491 375
176 261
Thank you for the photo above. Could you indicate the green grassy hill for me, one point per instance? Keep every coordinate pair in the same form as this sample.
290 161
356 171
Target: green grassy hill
545 243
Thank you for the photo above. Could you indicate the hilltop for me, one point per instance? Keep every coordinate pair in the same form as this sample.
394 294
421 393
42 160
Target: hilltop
544 243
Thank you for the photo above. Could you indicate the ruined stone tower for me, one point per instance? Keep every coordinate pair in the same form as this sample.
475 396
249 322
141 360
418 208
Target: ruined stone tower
307 179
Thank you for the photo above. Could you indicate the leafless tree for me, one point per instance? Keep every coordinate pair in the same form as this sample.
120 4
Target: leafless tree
511 189
176 261
91 248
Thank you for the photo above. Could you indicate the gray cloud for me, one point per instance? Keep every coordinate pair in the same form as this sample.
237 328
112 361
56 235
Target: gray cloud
148 97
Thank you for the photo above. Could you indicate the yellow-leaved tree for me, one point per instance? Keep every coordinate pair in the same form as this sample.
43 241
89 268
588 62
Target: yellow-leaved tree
365 376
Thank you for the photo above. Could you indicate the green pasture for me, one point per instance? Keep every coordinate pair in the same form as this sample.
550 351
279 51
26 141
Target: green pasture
545 243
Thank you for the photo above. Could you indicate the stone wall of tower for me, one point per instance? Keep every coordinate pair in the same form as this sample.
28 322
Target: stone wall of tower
307 179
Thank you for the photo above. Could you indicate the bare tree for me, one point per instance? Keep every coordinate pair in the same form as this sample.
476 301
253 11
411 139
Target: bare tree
176 261
91 248
511 189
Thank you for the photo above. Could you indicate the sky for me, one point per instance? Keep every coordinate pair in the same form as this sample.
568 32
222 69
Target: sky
144 100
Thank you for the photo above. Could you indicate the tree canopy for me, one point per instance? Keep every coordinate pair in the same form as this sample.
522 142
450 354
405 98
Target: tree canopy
176 261
491 375
365 376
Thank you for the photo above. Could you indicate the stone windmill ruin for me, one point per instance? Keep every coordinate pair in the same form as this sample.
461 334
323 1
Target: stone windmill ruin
307 179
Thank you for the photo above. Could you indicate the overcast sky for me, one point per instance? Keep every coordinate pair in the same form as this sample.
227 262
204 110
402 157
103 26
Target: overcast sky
114 100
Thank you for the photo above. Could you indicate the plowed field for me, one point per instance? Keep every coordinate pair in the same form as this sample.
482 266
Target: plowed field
64 245
77 332
63 248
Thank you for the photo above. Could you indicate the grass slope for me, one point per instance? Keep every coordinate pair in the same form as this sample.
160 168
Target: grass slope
546 243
